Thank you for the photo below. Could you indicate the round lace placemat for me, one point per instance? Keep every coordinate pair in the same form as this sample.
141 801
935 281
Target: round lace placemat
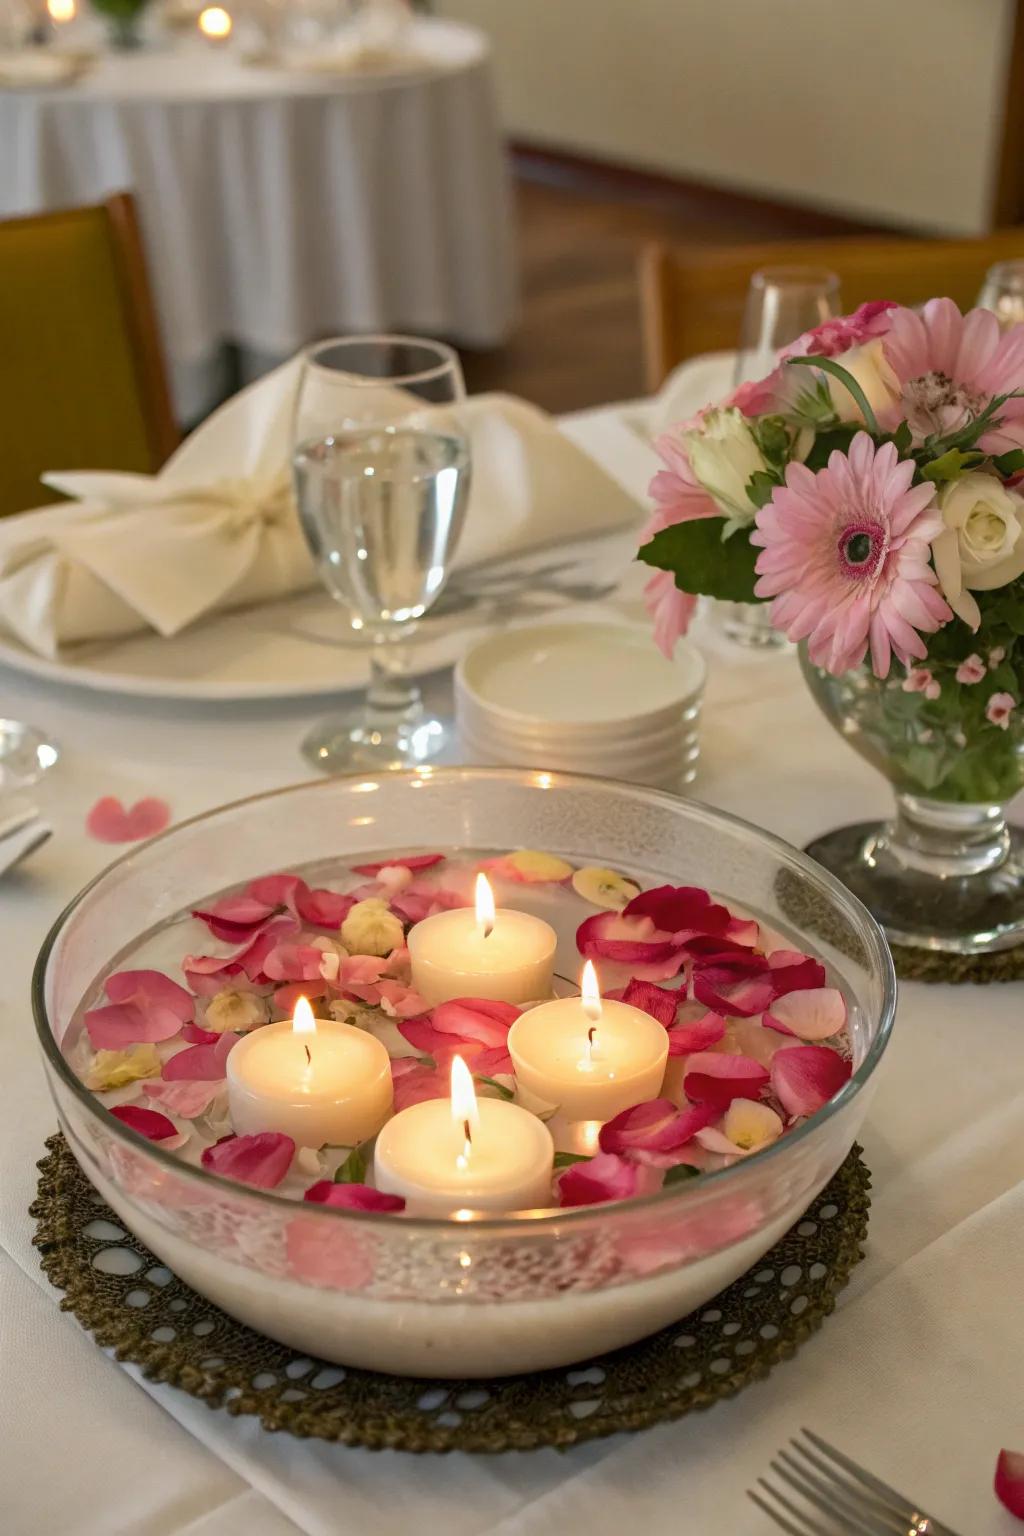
134 1305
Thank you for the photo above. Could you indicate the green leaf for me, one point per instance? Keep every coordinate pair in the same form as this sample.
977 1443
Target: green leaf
1010 463
566 1159
902 438
952 464
826 443
700 562
829 365
760 487
773 438
499 1088
680 1173
353 1169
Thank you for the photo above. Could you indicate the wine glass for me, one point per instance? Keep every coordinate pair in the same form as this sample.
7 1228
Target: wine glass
1003 292
382 468
782 303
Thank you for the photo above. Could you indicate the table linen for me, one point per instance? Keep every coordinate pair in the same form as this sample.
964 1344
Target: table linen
917 1376
280 205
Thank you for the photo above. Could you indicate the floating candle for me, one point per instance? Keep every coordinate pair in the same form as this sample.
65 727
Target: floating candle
591 1058
465 1154
320 1082
500 954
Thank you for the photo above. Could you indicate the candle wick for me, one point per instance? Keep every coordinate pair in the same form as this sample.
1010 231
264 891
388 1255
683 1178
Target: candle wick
309 1059
486 928
466 1132
468 1144
590 1036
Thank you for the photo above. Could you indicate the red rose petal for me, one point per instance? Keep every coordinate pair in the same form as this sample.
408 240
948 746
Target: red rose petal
262 1159
700 1035
657 1126
196 1036
662 1003
1009 1482
353 1197
601 1178
715 1078
413 861
109 822
805 1077
148 1122
679 909
414 1082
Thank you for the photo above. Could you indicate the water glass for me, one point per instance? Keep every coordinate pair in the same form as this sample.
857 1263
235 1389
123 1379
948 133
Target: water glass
382 468
1003 292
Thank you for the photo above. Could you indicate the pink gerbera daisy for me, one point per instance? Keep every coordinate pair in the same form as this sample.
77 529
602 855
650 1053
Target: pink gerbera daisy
678 493
845 556
948 366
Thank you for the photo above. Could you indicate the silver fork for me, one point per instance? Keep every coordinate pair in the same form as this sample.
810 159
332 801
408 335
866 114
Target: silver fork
855 1502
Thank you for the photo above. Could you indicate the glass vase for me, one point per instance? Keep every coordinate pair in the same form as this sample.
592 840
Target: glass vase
947 871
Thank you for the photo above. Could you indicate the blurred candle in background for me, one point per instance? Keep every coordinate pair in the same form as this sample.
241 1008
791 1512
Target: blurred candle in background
214 23
60 11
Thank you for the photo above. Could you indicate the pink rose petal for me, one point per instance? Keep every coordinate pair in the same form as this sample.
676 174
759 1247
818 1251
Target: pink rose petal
262 1159
650 954
293 962
361 970
414 1082
352 1197
206 974
418 901
399 1001
147 1122
657 1126
800 975
805 1077
322 908
276 891
109 822
235 918
716 1078
188 1099
1009 1482
815 1014
207 1062
699 1035
121 1024
196 1036
287 996
601 1178
150 988
413 861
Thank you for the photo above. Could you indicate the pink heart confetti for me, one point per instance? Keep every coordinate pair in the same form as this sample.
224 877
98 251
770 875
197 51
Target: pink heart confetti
110 822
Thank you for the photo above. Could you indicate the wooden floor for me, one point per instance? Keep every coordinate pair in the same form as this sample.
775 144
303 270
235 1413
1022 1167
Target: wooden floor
577 342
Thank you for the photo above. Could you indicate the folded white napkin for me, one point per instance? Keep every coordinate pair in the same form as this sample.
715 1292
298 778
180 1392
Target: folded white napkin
217 529
700 381
31 69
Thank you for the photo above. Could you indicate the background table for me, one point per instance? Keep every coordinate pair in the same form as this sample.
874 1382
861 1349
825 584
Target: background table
279 206
89 1450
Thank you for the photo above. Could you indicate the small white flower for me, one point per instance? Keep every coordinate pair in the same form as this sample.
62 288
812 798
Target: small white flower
371 928
724 455
235 1011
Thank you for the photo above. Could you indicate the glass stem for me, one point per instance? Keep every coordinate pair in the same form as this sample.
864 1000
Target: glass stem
391 696
945 839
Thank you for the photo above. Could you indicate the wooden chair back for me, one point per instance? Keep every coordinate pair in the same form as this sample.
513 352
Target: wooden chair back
82 378
692 301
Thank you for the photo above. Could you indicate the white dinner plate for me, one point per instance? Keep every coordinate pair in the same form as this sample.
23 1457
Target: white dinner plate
296 648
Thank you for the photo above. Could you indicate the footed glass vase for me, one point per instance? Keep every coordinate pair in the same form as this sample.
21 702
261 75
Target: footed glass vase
947 871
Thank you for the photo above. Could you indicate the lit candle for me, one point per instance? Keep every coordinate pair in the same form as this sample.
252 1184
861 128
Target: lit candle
465 1154
591 1058
215 23
61 11
320 1082
504 955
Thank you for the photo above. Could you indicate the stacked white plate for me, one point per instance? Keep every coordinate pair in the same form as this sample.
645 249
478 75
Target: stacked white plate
584 697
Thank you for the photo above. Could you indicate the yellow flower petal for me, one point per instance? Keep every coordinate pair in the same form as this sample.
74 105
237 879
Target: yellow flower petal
113 1069
530 864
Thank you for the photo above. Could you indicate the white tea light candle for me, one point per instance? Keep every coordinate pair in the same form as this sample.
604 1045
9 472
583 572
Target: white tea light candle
592 1058
318 1081
503 955
465 1154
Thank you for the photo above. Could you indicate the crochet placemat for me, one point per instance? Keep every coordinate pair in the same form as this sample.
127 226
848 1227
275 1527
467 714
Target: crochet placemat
132 1304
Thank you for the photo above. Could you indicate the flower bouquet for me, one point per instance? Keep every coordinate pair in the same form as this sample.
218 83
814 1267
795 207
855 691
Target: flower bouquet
867 489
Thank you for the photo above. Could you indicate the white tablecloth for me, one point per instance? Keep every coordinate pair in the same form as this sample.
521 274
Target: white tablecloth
279 206
918 1374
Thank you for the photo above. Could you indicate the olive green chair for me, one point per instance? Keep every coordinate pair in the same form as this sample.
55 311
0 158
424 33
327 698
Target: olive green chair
82 379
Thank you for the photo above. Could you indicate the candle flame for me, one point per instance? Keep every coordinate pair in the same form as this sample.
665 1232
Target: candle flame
61 10
484 906
590 993
303 1021
215 22
464 1108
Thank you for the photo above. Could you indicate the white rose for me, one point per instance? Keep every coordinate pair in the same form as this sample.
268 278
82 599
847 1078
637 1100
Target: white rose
982 544
723 455
236 1011
868 366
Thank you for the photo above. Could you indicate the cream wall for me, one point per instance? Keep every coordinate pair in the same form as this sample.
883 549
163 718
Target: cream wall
879 108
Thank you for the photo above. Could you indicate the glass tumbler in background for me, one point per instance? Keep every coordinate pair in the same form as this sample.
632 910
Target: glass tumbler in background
381 466
1003 292
782 303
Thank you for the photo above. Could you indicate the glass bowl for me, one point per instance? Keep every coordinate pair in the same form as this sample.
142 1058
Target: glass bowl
488 1296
